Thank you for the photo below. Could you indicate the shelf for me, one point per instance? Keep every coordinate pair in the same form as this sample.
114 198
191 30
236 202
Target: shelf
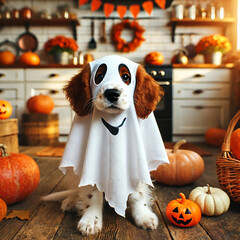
199 22
42 22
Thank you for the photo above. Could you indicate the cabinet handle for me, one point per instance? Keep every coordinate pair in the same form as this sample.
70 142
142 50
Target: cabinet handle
1 90
52 75
199 107
197 91
53 91
2 75
198 75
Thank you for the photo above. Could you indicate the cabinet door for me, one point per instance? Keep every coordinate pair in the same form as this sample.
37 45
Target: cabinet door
196 116
12 91
62 106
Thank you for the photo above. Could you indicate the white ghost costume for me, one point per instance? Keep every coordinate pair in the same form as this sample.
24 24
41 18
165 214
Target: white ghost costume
114 152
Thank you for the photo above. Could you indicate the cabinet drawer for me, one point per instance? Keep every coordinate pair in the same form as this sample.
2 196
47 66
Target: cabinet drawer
11 91
198 90
196 116
51 74
11 74
201 75
52 89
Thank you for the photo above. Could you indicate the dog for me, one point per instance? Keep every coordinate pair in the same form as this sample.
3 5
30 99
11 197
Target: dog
113 144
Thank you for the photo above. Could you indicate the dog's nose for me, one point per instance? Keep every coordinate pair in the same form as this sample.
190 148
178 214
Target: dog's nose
112 95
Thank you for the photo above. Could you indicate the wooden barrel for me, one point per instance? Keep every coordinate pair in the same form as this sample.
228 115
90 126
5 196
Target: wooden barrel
40 129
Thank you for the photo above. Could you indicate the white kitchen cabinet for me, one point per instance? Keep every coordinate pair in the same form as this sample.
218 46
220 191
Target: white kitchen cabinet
12 89
201 99
50 81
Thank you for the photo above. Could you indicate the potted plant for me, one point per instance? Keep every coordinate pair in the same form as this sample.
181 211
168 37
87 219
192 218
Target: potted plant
60 47
213 47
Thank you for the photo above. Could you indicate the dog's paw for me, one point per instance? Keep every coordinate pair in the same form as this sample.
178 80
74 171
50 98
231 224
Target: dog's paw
90 224
146 219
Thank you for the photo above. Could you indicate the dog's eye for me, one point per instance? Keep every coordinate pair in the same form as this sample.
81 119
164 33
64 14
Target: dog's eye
126 78
100 74
99 78
124 73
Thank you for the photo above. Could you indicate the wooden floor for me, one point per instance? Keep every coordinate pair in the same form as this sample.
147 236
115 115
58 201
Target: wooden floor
48 222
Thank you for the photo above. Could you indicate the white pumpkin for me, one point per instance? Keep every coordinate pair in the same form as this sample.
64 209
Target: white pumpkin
212 201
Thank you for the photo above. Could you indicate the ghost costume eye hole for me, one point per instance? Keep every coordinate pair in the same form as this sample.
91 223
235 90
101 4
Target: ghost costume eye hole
124 73
100 74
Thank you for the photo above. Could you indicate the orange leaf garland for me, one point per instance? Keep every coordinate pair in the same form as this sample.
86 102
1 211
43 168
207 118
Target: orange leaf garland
108 9
134 9
121 9
161 3
148 6
95 5
82 2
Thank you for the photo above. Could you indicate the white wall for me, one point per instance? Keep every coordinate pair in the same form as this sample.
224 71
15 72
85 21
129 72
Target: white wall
157 34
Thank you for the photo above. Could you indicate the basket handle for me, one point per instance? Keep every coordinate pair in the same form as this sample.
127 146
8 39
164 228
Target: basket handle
227 138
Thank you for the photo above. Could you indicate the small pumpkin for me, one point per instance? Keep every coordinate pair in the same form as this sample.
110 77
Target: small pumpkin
215 136
212 201
185 167
7 58
5 109
154 58
235 143
183 212
3 209
40 104
30 58
19 176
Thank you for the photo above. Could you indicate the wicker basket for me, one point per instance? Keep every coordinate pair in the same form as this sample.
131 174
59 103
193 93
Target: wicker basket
228 167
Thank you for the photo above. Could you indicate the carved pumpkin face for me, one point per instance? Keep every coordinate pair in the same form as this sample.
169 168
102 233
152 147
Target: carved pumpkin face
5 109
183 212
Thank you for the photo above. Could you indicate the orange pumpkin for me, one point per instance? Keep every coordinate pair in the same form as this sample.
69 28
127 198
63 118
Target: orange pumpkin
40 104
19 176
185 167
30 58
3 209
154 58
215 136
183 212
5 109
235 143
7 58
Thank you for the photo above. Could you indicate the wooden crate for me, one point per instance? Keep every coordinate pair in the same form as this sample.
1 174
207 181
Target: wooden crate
40 129
9 134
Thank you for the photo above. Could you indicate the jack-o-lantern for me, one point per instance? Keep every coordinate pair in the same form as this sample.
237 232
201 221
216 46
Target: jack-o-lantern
154 58
183 212
5 109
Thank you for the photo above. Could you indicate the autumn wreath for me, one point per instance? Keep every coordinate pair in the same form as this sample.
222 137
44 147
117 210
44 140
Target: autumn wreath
120 44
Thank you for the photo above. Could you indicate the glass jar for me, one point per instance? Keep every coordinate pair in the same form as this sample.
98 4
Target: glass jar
191 11
178 10
211 11
220 11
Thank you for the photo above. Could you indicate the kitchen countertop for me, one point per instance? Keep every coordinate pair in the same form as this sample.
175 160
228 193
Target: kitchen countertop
47 221
228 65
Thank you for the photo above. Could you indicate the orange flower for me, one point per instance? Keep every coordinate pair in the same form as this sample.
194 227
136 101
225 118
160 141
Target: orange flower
213 43
60 43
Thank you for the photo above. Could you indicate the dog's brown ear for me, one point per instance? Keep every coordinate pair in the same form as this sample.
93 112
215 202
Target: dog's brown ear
78 92
147 93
